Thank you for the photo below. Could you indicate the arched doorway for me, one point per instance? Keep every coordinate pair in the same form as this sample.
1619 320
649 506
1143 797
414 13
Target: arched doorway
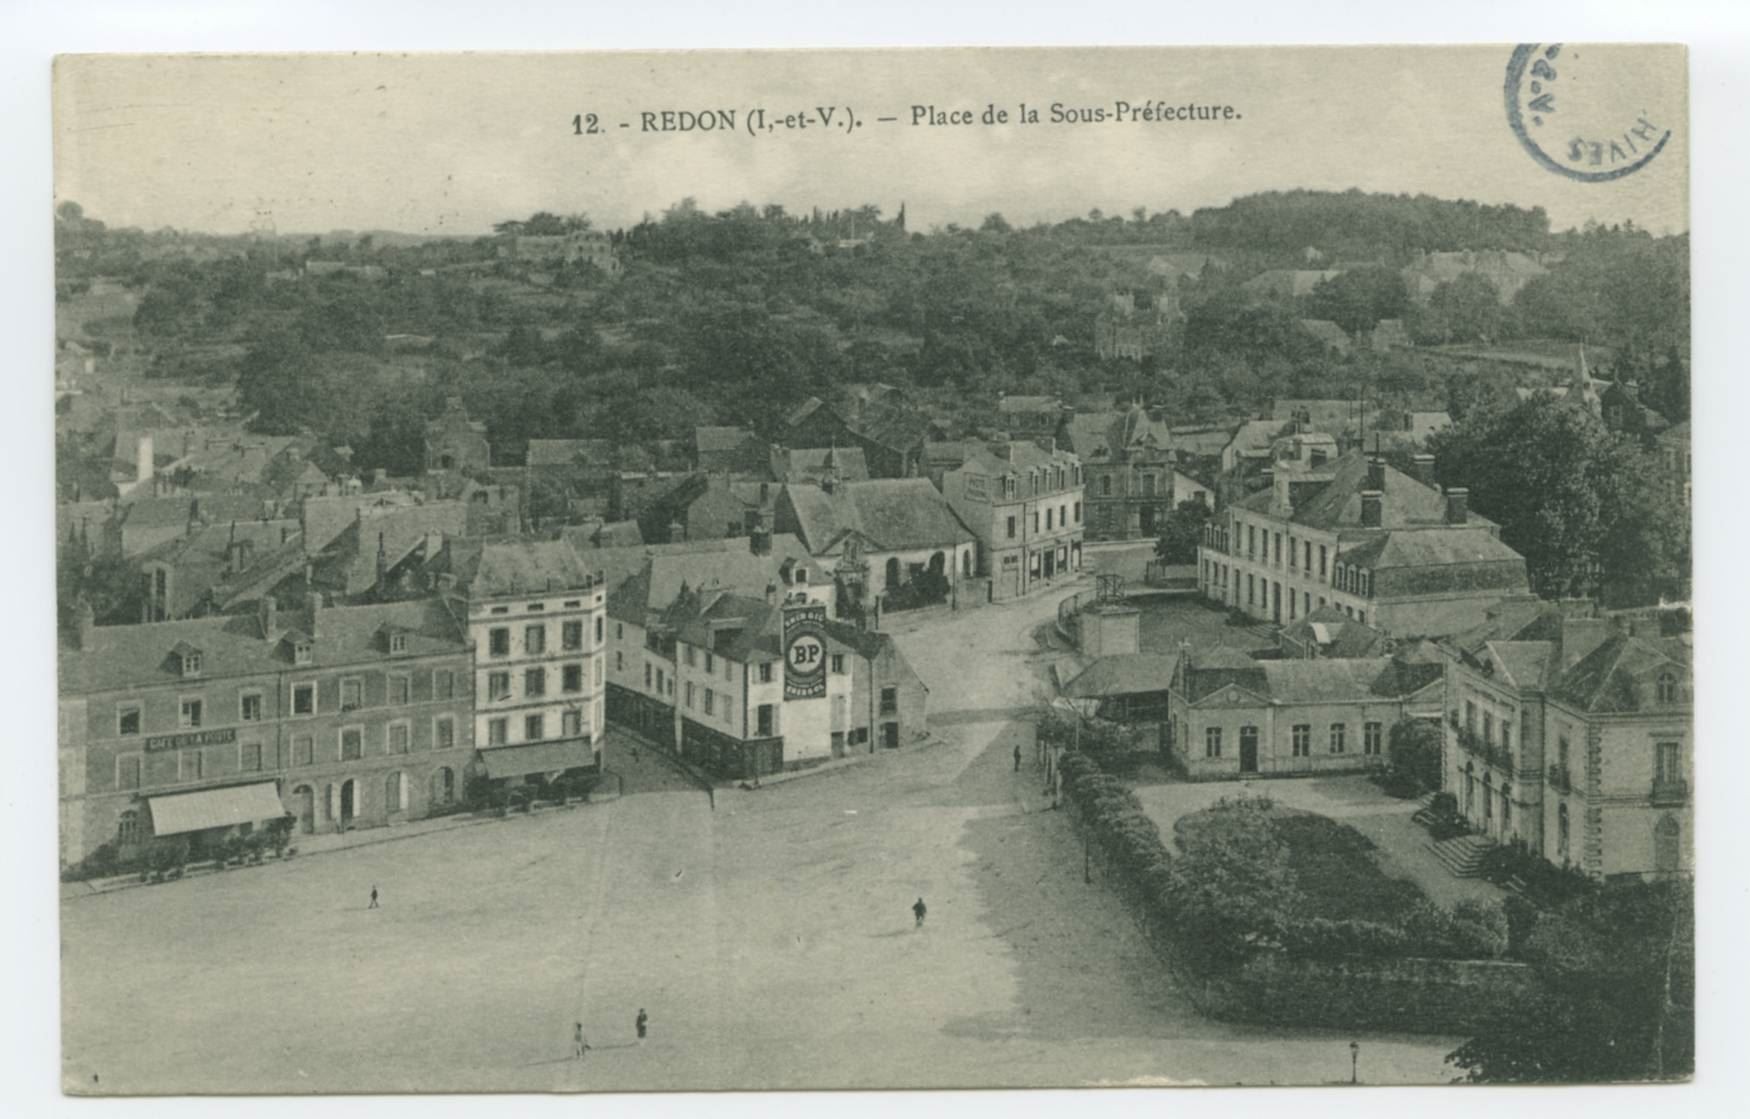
394 794
892 574
1667 845
128 833
1488 802
966 563
349 803
304 808
1470 790
443 786
938 564
1562 832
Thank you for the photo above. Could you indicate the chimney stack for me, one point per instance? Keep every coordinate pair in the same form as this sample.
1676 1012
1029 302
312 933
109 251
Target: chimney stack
143 459
771 594
269 620
314 603
1423 466
1457 505
1372 508
1376 474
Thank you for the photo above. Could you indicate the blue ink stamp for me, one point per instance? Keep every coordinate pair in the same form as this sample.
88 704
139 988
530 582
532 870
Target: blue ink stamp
1579 116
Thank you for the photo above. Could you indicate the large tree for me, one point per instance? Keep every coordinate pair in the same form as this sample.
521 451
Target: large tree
1582 504
1182 531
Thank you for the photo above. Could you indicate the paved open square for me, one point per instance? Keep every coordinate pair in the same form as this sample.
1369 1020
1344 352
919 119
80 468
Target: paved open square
770 941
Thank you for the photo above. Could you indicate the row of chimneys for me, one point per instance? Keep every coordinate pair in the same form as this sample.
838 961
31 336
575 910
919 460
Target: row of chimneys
1373 497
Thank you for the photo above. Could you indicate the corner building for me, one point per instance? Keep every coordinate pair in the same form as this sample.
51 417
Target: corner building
342 717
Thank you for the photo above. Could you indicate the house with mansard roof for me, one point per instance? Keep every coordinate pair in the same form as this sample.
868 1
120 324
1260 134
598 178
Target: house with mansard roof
1573 735
1385 548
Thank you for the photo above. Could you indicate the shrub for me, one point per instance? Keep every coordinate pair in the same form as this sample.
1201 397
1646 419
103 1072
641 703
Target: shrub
1444 805
1447 827
1413 750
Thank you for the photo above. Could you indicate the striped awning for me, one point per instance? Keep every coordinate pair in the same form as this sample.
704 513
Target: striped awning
538 757
215 808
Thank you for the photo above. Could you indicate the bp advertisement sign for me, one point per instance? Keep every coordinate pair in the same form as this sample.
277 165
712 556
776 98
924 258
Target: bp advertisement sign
805 652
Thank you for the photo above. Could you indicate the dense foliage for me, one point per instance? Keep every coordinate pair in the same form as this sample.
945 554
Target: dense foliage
1580 502
1618 999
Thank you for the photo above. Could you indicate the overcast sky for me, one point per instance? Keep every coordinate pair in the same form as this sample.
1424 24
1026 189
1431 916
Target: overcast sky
452 144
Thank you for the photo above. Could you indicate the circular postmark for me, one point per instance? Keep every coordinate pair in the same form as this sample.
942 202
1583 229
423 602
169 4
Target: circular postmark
1591 114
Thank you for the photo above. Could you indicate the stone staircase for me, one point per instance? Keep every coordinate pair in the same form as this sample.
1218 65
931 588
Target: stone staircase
1462 855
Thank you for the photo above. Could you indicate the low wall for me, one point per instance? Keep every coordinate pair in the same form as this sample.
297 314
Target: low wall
1411 995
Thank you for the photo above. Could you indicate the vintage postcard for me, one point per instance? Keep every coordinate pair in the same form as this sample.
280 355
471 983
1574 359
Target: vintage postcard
873 569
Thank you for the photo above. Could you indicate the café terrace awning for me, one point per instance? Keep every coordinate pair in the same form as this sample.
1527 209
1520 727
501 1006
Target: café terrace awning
539 757
215 808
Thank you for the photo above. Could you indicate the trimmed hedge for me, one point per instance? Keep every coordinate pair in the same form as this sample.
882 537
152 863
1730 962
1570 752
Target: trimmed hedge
1239 884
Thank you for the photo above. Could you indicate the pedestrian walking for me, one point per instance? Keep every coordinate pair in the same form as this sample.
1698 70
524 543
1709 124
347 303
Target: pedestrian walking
1017 757
918 910
641 1024
579 1044
373 904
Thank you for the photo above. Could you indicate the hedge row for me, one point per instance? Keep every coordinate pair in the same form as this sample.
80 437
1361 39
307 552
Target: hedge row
1230 894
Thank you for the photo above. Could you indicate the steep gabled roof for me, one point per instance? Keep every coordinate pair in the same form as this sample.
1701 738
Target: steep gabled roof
890 514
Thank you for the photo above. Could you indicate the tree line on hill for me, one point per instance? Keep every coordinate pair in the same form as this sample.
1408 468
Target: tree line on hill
730 317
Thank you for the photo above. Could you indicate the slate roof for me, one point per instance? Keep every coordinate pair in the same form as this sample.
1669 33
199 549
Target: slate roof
201 561
1619 675
641 580
509 567
349 561
162 512
891 514
233 644
1318 681
1414 561
1335 634
809 464
1123 674
1114 436
1337 504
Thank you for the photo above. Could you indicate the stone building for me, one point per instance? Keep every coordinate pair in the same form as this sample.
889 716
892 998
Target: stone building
1128 469
743 687
1232 715
1024 506
342 717
536 617
1385 548
455 442
1573 735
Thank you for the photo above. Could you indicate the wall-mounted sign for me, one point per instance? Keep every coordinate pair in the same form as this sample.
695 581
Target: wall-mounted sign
805 652
220 737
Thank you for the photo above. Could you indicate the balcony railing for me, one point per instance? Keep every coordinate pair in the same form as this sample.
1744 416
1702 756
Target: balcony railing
1491 754
1670 792
1560 780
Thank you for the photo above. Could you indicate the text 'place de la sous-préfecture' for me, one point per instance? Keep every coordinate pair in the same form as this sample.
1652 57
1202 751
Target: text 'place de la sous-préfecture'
762 120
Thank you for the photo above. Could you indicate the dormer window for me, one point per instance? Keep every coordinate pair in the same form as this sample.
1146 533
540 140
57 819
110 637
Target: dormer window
1667 687
191 664
397 642
802 575
303 652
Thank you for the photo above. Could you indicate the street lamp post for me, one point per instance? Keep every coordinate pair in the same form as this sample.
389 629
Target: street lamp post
1354 1061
